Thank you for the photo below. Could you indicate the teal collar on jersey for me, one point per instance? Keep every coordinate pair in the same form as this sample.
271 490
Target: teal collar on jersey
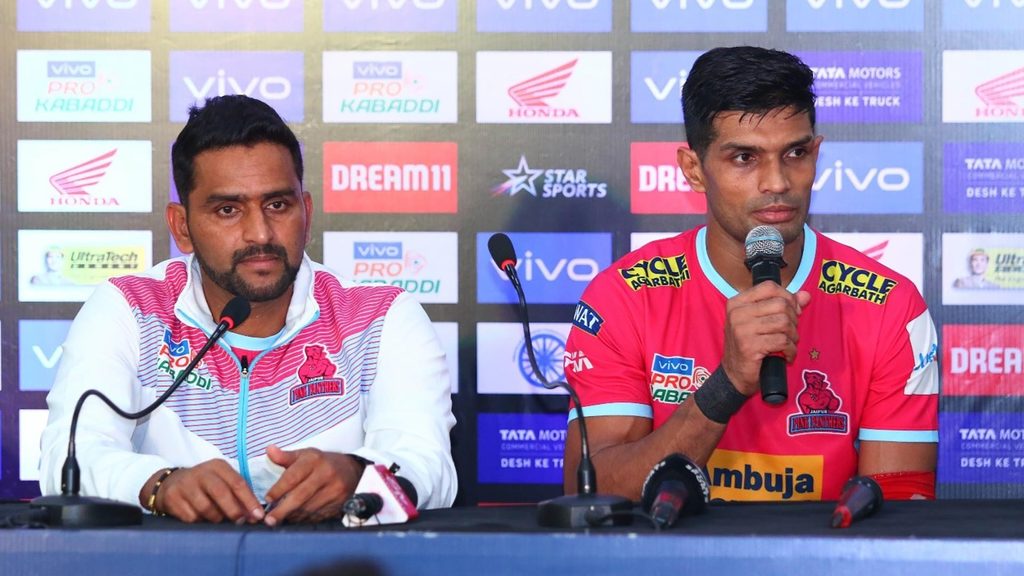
251 343
806 261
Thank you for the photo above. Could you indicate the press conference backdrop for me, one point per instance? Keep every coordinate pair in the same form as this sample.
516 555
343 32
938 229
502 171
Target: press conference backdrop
429 124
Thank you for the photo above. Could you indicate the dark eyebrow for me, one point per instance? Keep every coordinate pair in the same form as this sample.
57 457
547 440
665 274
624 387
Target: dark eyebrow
737 147
217 198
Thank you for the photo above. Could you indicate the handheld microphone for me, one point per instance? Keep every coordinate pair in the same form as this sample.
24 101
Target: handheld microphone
587 508
70 509
764 260
675 487
382 497
861 497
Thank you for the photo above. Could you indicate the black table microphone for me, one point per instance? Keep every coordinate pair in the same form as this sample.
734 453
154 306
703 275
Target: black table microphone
72 510
587 508
764 259
675 487
861 497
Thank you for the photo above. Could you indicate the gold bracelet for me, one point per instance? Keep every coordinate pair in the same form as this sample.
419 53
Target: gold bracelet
151 503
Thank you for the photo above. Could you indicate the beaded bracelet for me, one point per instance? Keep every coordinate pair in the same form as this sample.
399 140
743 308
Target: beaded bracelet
151 503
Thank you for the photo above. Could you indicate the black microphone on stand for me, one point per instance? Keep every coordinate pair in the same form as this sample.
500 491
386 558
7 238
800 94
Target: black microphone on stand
675 487
69 508
764 259
587 508
861 497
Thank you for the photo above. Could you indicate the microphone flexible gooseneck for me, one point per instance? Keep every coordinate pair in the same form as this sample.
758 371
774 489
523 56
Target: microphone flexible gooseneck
586 508
70 509
764 247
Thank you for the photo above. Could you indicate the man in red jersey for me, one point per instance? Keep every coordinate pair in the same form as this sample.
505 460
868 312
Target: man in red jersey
676 331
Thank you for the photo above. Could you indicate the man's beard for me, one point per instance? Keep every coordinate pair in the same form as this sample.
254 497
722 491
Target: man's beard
231 281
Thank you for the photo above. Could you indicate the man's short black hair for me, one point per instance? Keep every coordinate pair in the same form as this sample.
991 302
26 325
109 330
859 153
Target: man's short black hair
745 79
234 120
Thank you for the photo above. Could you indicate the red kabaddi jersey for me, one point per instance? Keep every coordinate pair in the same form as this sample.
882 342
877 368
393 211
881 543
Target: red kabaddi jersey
651 328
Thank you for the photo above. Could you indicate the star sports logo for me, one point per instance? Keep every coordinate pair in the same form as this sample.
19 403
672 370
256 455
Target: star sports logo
520 179
557 182
76 181
535 92
1002 90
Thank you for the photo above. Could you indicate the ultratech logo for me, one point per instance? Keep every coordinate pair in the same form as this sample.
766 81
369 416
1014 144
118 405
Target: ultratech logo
175 356
557 182
819 407
675 378
840 278
659 271
754 476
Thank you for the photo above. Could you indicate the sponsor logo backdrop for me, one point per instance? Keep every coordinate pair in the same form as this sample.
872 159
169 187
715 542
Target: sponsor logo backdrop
429 124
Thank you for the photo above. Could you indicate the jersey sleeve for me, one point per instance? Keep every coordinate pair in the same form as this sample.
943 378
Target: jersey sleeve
903 397
604 353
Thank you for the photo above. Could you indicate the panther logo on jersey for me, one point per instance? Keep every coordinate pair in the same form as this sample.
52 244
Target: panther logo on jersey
819 407
316 376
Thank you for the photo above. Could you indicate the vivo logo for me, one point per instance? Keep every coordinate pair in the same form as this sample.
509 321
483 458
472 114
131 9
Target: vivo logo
549 4
670 87
269 88
889 179
575 269
995 3
395 4
706 4
67 69
378 250
242 4
48 361
377 70
889 4
90 4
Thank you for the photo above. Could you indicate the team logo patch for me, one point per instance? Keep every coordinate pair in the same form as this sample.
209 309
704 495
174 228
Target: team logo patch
819 407
175 356
675 378
316 377
659 271
587 319
840 278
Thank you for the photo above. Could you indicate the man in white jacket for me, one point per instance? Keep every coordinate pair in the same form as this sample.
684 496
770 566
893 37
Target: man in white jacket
322 378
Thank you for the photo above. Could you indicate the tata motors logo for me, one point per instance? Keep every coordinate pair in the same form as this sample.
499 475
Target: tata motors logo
273 77
983 15
407 177
544 87
982 359
85 176
503 360
544 16
554 268
656 84
390 15
66 265
520 448
854 15
867 87
869 178
983 177
699 15
236 15
549 183
425 264
983 86
657 184
84 86
83 15
381 87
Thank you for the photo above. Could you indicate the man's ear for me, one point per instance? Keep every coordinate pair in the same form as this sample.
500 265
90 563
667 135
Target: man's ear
307 203
177 223
689 163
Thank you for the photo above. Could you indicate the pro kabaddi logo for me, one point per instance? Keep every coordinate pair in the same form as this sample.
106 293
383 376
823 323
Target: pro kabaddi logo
658 271
819 407
840 278
175 356
317 377
675 378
